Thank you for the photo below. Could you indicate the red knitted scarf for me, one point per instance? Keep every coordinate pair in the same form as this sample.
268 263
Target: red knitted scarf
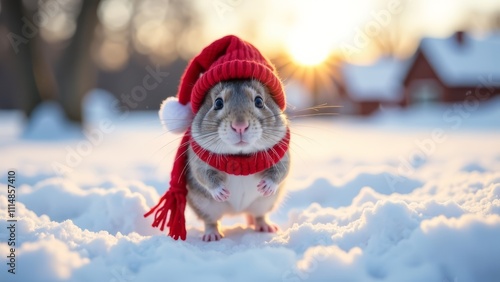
173 203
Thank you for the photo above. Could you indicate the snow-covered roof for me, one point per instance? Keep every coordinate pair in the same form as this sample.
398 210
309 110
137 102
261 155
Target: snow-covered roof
378 81
464 64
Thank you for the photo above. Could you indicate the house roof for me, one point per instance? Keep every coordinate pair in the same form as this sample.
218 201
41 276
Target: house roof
464 64
378 81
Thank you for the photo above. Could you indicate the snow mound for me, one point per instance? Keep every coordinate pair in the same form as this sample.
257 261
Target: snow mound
49 123
100 104
351 212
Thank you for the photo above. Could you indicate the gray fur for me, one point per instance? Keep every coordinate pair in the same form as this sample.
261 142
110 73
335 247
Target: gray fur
212 130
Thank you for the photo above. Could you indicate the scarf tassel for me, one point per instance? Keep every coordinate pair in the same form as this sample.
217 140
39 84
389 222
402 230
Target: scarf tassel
171 206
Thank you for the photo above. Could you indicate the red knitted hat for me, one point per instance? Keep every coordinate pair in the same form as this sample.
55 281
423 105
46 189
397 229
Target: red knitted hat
225 59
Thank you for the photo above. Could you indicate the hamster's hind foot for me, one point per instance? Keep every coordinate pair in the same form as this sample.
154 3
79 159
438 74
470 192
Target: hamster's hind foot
212 236
262 225
212 233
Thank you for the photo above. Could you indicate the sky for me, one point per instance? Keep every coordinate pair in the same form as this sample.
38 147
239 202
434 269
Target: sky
308 31
312 30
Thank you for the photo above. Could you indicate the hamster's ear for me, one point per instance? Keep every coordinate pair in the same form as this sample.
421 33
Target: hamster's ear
174 116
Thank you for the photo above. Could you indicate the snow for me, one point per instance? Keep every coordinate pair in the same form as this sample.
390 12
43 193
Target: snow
49 124
383 199
379 80
477 60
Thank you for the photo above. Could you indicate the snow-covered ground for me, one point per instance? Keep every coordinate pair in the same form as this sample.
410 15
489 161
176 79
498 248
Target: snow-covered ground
403 196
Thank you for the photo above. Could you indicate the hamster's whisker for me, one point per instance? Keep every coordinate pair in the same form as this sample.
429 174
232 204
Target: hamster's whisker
165 145
175 148
266 138
182 145
215 153
294 124
296 133
209 143
270 157
165 132
210 125
208 140
314 115
202 135
173 130
278 133
218 155
171 151
210 155
305 137
273 116
291 140
186 166
315 108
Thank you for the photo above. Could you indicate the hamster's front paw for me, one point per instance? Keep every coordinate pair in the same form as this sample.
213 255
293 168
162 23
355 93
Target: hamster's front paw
267 187
220 194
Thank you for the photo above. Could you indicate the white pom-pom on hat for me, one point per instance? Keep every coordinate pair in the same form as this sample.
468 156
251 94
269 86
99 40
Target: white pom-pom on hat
175 116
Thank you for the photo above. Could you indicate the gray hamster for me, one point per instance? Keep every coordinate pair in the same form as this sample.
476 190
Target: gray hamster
237 117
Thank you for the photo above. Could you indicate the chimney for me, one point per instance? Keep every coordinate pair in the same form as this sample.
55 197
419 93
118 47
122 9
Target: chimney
460 37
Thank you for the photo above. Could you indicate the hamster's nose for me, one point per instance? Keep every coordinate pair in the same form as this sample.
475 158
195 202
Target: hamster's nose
240 126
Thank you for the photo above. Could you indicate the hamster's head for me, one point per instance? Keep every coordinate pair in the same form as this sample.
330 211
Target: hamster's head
238 117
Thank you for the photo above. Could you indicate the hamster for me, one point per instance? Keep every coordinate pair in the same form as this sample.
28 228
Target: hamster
236 117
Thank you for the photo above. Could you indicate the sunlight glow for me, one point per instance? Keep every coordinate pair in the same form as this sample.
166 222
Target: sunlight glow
319 28
115 14
308 51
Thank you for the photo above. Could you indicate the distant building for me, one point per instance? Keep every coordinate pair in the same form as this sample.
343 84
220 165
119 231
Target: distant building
449 69
443 70
368 87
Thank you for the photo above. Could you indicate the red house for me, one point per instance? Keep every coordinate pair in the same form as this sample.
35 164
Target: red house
366 88
453 69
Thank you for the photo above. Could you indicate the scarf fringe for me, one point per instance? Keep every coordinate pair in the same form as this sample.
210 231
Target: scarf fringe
171 207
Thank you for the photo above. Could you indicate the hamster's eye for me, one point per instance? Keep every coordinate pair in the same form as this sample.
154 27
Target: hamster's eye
259 103
219 104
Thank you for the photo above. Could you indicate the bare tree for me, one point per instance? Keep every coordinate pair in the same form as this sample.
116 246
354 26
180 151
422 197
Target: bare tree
32 71
78 75
33 59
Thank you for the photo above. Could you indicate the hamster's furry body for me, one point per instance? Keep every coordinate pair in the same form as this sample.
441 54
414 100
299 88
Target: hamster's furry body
236 117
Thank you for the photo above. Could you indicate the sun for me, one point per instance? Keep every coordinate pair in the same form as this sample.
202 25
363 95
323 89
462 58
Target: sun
320 27
308 46
309 54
